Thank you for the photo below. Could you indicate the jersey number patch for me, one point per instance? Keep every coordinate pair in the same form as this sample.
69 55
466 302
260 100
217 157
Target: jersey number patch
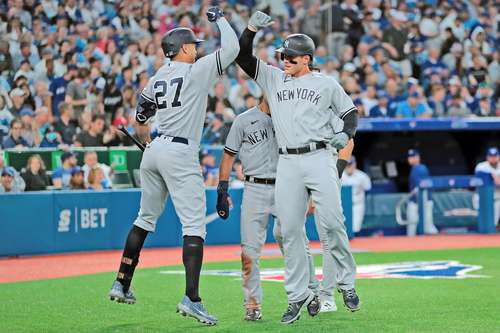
161 92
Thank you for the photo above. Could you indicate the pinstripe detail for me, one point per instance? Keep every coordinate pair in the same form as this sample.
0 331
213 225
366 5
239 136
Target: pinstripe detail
146 97
217 60
231 151
347 112
257 70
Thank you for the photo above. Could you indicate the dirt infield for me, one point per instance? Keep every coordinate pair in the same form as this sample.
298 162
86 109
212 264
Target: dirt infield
73 264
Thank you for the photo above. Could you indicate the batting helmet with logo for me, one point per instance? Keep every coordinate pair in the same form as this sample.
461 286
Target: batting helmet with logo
173 40
297 45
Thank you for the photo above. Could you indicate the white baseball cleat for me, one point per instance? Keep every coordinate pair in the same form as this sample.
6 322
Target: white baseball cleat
328 306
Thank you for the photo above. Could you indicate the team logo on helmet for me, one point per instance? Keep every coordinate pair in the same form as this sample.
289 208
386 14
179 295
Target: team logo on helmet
285 44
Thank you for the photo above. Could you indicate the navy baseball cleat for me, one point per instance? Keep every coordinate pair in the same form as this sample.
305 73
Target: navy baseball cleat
116 294
351 299
294 309
196 310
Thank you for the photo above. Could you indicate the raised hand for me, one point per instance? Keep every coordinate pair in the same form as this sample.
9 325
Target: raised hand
214 13
260 20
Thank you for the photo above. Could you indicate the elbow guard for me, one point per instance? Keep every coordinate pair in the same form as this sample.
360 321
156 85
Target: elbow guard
350 122
146 108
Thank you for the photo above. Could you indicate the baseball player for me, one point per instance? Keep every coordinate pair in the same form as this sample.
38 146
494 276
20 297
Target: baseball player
252 136
330 280
360 183
301 103
177 95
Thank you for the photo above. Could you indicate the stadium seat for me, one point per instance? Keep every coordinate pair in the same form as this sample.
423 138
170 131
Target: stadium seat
121 179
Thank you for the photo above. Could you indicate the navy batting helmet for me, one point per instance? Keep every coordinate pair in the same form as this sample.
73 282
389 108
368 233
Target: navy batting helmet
297 45
173 40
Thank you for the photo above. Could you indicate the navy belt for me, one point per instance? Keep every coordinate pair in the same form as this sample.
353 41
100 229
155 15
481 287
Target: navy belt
177 139
303 150
267 181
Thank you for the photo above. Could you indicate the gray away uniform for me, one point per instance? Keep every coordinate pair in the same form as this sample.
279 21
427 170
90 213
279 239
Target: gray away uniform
170 164
301 109
252 135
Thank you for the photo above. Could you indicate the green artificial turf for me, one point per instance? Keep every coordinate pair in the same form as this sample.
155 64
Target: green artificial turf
79 304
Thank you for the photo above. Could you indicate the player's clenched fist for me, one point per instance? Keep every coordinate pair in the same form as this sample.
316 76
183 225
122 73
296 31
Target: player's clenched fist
260 20
214 13
223 199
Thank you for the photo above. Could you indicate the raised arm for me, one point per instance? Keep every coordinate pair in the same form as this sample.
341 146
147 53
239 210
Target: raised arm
228 40
208 68
245 58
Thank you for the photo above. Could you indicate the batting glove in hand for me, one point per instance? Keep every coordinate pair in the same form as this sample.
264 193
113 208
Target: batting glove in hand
214 13
223 199
260 20
339 140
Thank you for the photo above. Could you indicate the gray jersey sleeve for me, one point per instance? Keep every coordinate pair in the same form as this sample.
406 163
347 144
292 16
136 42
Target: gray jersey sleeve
147 92
208 68
267 76
342 104
235 137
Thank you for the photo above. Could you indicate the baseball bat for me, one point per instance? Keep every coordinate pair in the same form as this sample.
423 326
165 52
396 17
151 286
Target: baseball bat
122 129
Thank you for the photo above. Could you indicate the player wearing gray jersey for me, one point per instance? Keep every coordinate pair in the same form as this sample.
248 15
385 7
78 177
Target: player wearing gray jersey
252 136
177 95
301 104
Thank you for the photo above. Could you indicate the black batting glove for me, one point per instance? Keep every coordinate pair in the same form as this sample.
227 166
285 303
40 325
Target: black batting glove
214 13
223 199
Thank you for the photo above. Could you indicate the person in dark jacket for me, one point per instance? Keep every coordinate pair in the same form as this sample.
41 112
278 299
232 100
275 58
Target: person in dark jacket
34 176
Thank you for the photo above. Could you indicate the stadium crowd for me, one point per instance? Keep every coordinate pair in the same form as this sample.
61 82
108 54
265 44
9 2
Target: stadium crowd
71 70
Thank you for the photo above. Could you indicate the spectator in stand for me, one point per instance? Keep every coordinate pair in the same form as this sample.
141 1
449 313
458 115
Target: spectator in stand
76 94
29 132
394 40
239 178
34 176
7 184
15 139
95 136
218 96
215 133
413 107
64 126
209 169
5 118
96 180
437 101
62 175
77 181
91 162
113 99
381 110
58 88
17 96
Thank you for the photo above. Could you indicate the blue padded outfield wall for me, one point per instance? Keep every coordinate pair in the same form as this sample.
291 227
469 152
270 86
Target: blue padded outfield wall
51 222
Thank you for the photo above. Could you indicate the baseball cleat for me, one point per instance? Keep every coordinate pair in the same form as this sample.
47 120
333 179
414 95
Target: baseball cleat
116 294
293 311
253 315
328 306
196 310
351 299
314 306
